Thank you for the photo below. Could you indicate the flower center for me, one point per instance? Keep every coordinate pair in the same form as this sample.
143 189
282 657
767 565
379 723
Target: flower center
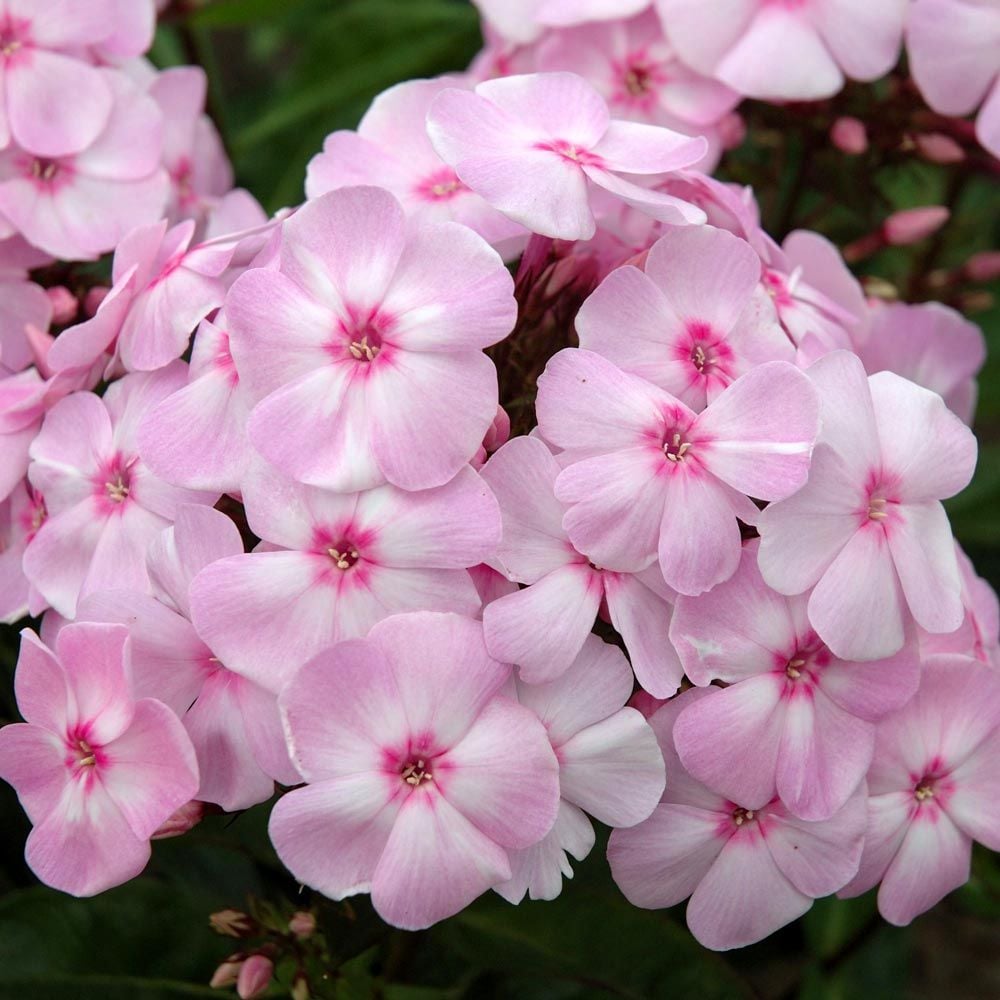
85 754
573 153
344 555
741 816
117 488
44 170
876 509
441 185
794 668
416 772
366 348
637 80
924 791
675 448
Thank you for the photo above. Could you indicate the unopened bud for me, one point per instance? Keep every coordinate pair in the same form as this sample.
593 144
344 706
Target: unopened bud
189 815
850 136
983 266
302 924
914 224
732 130
976 302
64 304
254 977
227 973
878 288
300 987
499 431
233 923
936 147
93 299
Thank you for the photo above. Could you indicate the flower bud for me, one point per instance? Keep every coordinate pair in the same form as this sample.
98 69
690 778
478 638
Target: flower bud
232 923
499 431
93 299
64 304
254 977
850 136
227 973
984 266
936 147
302 924
39 342
189 815
914 224
300 987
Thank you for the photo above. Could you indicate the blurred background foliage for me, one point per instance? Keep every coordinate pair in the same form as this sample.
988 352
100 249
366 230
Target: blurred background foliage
283 74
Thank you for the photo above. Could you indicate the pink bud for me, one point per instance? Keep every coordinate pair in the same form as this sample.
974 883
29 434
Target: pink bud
64 304
254 977
39 341
302 924
936 147
93 299
850 136
732 130
189 815
914 224
227 973
983 266
499 431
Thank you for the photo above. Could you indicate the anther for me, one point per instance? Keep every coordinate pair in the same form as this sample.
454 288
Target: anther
362 350
876 509
117 490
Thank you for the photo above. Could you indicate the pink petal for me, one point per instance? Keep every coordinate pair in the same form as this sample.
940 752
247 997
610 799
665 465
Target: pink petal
650 201
759 433
512 798
635 148
41 688
34 762
888 821
699 42
330 836
974 804
662 860
543 627
864 38
434 864
429 414
741 763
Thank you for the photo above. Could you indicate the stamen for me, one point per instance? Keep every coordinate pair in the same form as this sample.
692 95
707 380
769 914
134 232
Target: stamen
794 668
44 170
416 772
923 791
741 816
344 559
9 48
637 81
675 449
89 758
117 490
698 358
876 509
362 350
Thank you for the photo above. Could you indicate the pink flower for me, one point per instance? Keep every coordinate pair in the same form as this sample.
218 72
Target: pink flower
79 206
694 322
21 515
645 476
334 564
934 789
787 50
868 531
104 505
163 287
196 437
421 774
364 346
524 20
96 770
634 69
542 147
54 103
193 153
391 149
929 344
543 627
747 870
609 765
795 721
232 722
953 48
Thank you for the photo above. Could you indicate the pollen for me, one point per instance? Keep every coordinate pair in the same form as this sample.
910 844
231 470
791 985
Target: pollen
362 350
741 816
794 668
343 558
88 757
876 509
117 490
416 773
923 791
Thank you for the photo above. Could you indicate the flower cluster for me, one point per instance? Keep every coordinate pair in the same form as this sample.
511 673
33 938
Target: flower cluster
312 555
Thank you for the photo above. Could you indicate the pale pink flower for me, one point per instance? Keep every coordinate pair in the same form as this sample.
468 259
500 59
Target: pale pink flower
421 774
795 721
930 344
543 627
21 515
868 532
747 870
787 50
334 564
96 770
364 346
79 206
610 765
196 437
633 67
934 789
691 321
953 47
53 102
104 505
391 149
232 722
193 154
543 148
647 477
524 20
